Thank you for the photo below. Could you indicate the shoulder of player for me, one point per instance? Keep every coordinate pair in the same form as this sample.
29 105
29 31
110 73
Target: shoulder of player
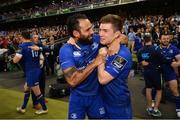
124 50
155 48
66 48
22 45
173 47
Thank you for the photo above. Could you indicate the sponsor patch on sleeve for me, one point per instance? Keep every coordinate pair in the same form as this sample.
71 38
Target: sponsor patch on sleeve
119 62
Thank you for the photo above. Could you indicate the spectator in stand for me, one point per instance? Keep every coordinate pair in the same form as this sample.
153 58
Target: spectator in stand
156 36
131 38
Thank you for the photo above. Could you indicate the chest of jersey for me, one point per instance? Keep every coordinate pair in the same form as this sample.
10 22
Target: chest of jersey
86 55
168 53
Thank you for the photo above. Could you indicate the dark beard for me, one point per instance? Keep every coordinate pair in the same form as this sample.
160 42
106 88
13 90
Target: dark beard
85 41
165 45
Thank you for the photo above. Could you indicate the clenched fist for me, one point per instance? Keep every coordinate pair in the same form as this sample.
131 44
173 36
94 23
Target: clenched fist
103 51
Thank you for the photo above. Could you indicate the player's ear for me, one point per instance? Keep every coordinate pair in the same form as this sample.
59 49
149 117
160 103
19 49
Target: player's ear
117 34
76 33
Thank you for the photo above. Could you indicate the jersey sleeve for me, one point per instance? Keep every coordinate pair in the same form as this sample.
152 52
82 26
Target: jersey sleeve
160 57
176 51
116 65
66 58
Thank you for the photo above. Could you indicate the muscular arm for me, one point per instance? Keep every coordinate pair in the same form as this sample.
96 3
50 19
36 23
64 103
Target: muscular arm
103 76
178 59
40 47
177 65
74 76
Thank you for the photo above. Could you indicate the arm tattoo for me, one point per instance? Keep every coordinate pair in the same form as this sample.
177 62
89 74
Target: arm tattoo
70 72
80 71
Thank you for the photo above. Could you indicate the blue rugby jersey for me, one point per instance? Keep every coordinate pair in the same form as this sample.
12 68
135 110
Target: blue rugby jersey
30 58
170 52
118 66
153 55
70 56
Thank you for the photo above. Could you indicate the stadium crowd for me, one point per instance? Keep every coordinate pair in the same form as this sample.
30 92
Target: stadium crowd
134 27
11 39
54 7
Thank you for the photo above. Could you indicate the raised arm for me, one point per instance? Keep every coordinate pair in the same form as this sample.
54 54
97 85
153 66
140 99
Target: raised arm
103 76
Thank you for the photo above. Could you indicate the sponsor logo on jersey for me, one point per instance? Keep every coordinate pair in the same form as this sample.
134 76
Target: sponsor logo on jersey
77 53
145 56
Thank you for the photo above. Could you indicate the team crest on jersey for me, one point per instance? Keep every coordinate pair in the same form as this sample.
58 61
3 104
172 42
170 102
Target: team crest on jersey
101 110
74 116
119 62
77 53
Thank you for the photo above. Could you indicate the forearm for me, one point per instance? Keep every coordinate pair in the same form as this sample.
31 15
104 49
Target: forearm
101 73
176 71
80 75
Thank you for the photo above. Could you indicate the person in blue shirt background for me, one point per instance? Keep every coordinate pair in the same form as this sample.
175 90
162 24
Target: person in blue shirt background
170 73
152 59
114 72
30 60
42 49
131 38
137 43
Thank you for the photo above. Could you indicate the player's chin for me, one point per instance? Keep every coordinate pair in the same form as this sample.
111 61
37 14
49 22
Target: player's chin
166 43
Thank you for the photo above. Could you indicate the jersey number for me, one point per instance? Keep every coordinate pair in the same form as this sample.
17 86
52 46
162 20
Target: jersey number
34 53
